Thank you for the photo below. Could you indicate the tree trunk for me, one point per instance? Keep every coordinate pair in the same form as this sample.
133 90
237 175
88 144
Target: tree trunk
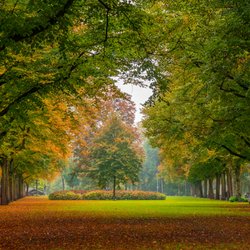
192 189
37 187
200 189
223 186
11 186
5 183
162 186
237 181
179 189
20 186
114 185
185 188
16 189
210 191
229 184
217 193
27 188
63 183
205 188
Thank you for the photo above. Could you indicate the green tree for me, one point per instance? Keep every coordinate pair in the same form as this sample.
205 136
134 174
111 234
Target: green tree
114 158
148 174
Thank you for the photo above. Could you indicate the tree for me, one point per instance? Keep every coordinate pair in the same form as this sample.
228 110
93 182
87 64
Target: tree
113 155
148 173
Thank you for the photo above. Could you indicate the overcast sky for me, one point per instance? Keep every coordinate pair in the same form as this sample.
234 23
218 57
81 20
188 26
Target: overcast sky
139 96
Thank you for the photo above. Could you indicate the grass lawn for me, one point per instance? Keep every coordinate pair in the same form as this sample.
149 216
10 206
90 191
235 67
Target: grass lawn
176 223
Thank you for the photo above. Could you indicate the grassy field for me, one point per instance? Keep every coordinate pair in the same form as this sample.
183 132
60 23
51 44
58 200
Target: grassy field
176 223
172 207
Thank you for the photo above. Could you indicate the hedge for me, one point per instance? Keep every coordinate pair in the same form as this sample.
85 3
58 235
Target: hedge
106 195
236 199
65 195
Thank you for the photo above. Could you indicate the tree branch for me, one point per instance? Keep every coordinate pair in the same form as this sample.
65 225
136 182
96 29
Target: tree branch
234 92
234 153
245 140
104 4
31 91
39 87
107 24
40 28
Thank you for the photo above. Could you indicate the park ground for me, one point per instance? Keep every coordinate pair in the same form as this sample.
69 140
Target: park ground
176 223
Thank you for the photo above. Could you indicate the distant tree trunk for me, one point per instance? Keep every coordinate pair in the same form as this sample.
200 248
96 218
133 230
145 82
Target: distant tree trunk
20 186
16 189
63 183
5 183
179 189
223 186
37 186
11 184
162 186
210 191
229 184
11 181
27 188
205 188
217 193
192 190
237 180
185 188
200 189
114 185
13 187
45 189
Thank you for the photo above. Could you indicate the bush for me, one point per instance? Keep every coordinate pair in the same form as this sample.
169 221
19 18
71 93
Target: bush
123 195
65 195
236 199
106 195
98 195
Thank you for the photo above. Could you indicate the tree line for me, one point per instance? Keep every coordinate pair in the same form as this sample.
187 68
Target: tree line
199 119
56 56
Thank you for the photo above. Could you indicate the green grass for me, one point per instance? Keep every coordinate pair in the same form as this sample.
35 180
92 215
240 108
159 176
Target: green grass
171 207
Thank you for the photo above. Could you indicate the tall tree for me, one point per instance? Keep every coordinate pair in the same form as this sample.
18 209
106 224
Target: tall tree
114 158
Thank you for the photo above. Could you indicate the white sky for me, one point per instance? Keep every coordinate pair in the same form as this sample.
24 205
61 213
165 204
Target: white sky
139 96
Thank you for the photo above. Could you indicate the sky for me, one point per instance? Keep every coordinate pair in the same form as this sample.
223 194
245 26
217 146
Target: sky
139 96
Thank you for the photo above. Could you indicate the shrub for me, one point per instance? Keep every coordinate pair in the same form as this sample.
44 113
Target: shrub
236 199
65 195
98 195
106 195
123 195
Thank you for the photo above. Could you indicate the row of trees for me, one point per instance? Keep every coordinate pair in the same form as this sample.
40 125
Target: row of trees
200 119
54 57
